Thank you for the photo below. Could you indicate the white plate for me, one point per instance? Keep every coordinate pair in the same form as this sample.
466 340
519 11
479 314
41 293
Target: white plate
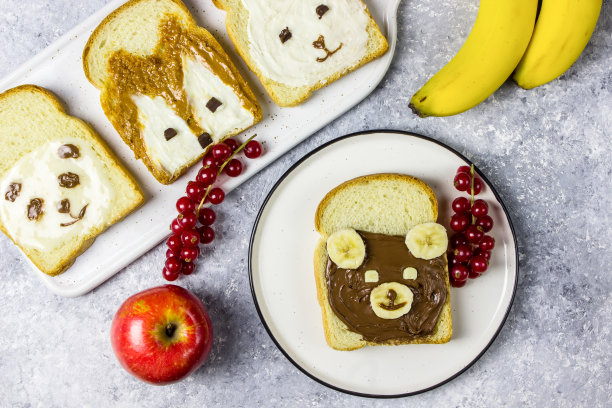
59 68
282 277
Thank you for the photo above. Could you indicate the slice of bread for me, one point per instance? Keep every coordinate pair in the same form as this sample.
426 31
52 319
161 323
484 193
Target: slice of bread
59 160
167 86
388 204
288 67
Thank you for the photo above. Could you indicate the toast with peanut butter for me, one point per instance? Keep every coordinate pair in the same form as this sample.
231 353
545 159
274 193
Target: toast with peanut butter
167 86
298 46
380 265
60 185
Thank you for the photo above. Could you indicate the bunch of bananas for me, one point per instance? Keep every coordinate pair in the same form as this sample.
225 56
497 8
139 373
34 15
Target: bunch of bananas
506 38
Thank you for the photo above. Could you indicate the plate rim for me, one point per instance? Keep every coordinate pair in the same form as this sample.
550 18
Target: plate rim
298 163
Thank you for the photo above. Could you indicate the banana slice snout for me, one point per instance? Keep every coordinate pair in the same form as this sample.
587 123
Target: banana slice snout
346 248
427 241
391 300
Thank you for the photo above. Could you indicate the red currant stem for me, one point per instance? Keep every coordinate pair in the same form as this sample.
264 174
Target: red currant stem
203 200
236 152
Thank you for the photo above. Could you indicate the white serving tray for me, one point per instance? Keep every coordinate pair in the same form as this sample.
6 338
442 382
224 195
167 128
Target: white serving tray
59 69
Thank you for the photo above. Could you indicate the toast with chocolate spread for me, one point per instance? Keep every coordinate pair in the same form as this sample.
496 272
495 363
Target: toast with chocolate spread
380 265
167 86
60 185
296 47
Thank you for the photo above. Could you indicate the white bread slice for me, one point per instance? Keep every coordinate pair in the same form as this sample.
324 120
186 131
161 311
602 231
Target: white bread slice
127 57
381 203
288 94
32 125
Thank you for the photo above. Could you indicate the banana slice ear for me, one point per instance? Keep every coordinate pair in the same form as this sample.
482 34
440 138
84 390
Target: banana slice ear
427 241
346 248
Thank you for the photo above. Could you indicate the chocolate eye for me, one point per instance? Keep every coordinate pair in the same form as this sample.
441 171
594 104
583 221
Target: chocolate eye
13 192
68 151
322 9
213 104
285 35
170 133
204 139
35 209
68 180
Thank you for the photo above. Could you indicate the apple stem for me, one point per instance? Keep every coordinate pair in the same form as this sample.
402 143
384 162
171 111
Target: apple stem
170 329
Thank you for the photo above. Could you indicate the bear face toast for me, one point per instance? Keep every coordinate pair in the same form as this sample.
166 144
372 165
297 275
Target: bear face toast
298 46
61 186
166 84
380 265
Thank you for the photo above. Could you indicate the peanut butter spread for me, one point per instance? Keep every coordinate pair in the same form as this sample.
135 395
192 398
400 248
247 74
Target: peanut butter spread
161 74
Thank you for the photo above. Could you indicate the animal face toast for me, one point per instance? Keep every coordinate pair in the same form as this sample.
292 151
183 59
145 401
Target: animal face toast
390 294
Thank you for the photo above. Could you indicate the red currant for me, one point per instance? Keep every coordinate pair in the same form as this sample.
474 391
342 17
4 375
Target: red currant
463 182
190 238
210 161
478 186
174 265
185 205
221 151
478 264
174 243
480 208
207 176
481 252
461 205
207 234
474 234
463 253
188 268
252 150
464 169
486 223
169 276
458 284
460 272
487 243
207 216
187 221
190 254
459 222
171 254
473 275
232 144
195 190
458 239
176 227
233 168
216 196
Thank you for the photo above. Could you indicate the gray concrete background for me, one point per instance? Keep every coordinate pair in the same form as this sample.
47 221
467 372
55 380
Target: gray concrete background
546 150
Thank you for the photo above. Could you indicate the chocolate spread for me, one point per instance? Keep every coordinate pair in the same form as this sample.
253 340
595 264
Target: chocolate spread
320 45
349 293
161 74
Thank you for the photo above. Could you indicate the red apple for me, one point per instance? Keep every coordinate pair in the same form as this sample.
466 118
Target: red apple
162 335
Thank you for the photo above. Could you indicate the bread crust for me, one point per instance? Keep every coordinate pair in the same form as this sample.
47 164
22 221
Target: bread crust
89 133
278 91
337 334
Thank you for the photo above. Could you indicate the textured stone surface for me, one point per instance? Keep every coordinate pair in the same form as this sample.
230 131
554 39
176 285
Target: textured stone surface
547 151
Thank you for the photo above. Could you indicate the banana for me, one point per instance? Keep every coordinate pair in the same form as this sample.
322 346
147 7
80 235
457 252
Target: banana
410 273
391 300
493 49
427 241
346 248
563 29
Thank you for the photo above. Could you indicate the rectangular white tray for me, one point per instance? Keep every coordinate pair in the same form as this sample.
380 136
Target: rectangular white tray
59 69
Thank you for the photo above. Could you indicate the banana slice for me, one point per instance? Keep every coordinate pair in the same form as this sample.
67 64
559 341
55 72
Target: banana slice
391 300
427 241
346 248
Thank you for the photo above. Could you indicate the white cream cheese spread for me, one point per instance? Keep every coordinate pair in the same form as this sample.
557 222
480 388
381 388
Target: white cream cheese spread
38 175
294 61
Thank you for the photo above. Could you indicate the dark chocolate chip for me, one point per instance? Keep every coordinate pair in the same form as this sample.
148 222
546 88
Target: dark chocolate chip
13 192
205 140
285 35
68 180
68 151
213 104
322 9
63 207
35 209
169 133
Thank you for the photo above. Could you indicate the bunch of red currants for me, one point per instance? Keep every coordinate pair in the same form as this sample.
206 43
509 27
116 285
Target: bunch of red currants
183 244
470 247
